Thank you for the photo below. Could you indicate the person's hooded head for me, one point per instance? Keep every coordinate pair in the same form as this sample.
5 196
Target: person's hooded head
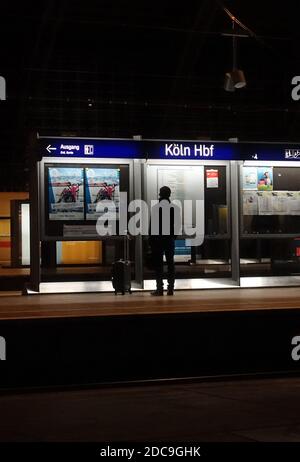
164 193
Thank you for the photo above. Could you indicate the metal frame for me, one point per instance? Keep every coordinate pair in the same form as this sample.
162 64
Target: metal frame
266 281
235 220
232 184
37 216
15 227
225 163
137 187
35 239
55 160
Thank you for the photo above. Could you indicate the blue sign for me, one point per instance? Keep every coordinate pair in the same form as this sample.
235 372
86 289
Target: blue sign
89 148
132 149
165 149
207 150
269 151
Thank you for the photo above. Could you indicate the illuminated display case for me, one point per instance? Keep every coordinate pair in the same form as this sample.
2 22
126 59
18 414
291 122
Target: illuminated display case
248 199
270 218
270 200
72 192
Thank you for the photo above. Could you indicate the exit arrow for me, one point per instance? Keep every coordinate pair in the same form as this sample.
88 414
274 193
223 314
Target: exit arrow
49 149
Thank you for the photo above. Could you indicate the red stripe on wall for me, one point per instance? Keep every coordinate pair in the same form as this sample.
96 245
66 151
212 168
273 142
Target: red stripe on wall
5 244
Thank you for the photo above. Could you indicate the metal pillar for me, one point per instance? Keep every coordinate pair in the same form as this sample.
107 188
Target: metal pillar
35 252
235 220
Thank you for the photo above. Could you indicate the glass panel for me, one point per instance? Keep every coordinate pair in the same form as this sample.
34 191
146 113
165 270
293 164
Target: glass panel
270 257
83 260
270 200
270 205
80 252
72 193
25 234
212 258
216 207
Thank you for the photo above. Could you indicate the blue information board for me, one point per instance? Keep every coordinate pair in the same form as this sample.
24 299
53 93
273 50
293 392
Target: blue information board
165 149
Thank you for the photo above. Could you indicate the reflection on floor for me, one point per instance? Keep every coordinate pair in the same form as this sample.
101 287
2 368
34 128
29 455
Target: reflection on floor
206 271
15 278
233 411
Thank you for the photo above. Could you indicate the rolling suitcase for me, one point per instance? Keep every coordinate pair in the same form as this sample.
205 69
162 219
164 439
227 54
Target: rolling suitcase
121 272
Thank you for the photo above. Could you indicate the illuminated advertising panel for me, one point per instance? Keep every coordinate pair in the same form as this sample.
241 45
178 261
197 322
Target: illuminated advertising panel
66 193
101 185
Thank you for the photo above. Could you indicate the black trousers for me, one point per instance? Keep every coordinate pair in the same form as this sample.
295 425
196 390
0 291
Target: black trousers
160 247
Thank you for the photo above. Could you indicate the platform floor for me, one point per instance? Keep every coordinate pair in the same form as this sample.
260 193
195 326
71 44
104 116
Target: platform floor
16 306
228 411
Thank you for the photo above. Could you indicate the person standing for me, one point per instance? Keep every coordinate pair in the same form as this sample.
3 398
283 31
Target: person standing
162 239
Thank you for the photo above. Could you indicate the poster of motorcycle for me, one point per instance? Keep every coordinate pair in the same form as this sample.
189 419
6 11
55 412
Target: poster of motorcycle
102 192
66 193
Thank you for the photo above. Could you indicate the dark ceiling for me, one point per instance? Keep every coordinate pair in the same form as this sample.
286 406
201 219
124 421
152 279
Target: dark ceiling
122 68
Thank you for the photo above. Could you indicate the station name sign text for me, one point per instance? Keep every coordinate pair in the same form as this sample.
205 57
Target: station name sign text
181 150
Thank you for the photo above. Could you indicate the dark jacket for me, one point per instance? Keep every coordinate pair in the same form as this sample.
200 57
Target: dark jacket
156 235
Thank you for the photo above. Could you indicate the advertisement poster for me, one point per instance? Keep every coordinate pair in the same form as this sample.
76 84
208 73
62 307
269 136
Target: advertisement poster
265 179
212 178
65 188
250 203
249 180
102 185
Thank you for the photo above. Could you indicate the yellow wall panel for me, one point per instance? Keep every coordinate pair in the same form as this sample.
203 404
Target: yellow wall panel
5 228
81 252
6 197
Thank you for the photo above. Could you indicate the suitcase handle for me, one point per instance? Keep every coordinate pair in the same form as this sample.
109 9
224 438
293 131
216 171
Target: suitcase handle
126 246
